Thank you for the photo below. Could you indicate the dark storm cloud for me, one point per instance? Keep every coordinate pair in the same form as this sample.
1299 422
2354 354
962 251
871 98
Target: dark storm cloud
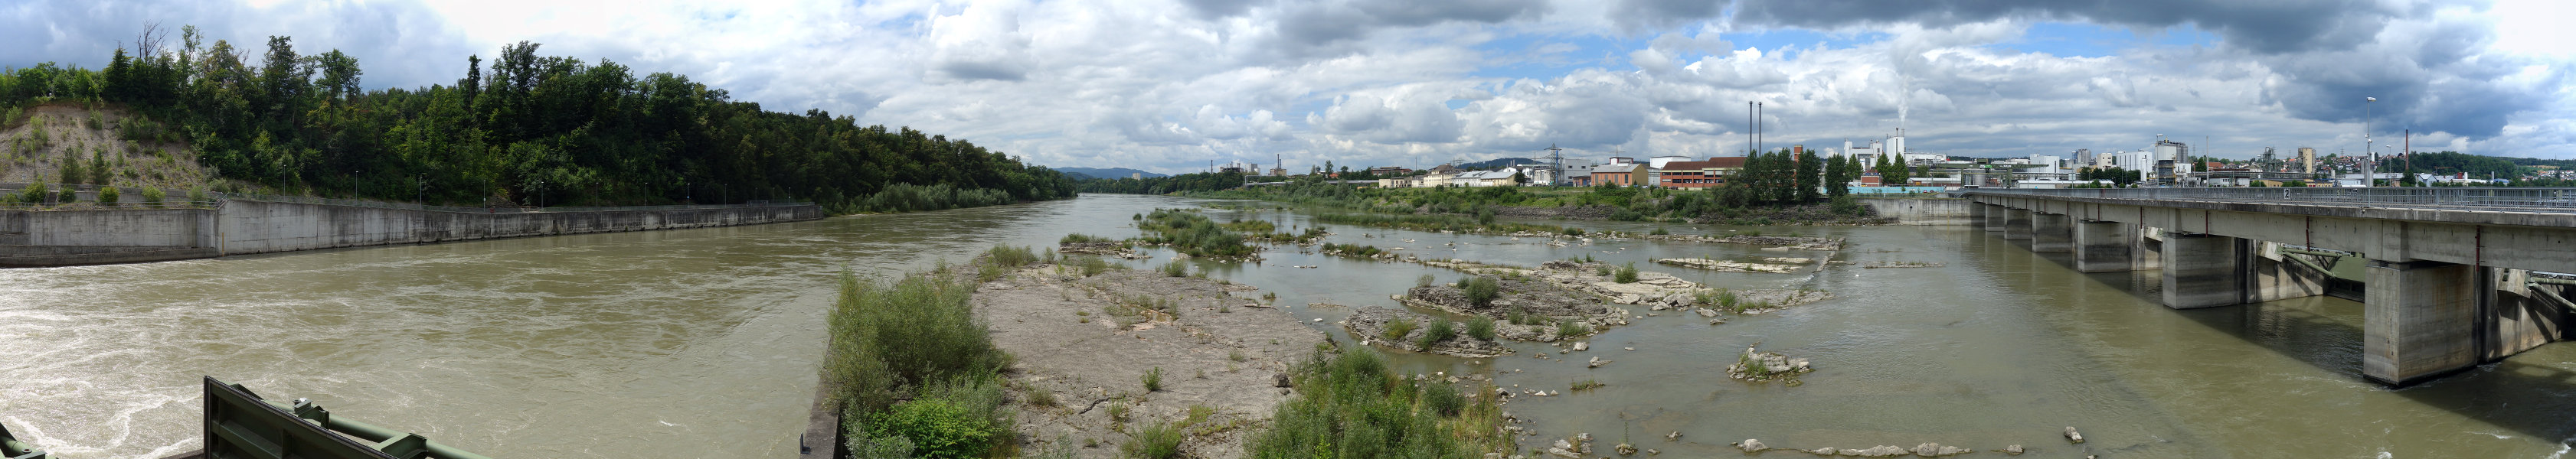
1212 9
1316 29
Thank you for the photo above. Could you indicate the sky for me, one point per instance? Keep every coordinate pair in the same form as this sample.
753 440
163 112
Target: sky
1172 85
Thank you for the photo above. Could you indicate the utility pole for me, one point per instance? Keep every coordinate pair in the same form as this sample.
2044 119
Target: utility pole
1757 126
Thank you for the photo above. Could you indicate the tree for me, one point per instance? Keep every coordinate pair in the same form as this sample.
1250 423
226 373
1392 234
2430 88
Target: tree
1518 178
1811 176
339 75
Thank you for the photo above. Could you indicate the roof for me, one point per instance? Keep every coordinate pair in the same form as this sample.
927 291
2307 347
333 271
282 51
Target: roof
1730 162
1616 168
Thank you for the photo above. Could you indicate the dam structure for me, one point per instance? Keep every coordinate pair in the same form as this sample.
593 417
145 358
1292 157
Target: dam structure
2456 277
239 224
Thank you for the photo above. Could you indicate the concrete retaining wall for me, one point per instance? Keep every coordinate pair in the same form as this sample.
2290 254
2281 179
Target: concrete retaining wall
260 227
128 227
81 237
1924 211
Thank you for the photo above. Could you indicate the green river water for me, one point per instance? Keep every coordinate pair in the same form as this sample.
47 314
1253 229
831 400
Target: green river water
704 343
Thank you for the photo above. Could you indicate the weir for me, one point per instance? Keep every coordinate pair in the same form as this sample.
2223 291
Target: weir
2450 281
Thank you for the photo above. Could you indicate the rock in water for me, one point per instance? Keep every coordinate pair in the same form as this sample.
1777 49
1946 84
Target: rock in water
1752 445
2073 436
1675 436
2013 450
1825 451
1625 449
1937 450
1877 451
1582 346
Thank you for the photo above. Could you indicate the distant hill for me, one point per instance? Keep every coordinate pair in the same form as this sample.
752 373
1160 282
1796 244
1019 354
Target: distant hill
1110 173
1498 163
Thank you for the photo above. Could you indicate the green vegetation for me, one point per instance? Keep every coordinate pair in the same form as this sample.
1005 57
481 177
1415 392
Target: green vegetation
152 196
1396 329
1075 238
1441 330
1627 274
1425 281
1587 384
1191 233
1350 405
1571 328
1159 441
917 374
1176 269
1356 250
1481 327
1481 291
1433 223
1153 379
586 133
109 195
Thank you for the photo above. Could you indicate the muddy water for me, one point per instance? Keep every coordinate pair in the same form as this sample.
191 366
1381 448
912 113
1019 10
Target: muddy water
702 343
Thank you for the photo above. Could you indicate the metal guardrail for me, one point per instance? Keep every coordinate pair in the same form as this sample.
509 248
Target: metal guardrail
2542 200
241 424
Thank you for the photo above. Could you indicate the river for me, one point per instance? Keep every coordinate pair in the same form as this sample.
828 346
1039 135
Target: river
703 343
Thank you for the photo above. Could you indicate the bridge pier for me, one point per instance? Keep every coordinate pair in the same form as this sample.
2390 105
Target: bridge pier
2522 316
2052 232
2017 225
2103 247
2419 321
2274 275
1995 217
2202 271
2147 249
1977 214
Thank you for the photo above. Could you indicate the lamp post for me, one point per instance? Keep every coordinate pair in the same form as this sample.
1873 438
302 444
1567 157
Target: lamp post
2369 178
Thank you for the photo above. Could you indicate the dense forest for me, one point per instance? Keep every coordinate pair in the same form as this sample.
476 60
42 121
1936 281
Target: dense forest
513 128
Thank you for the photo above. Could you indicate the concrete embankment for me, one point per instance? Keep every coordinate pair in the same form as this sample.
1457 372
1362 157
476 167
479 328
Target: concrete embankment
1923 211
236 227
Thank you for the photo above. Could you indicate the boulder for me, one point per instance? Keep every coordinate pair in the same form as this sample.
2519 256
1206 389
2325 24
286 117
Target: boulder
1706 312
1675 436
1752 445
1582 346
1876 451
1825 451
1625 449
2073 436
1280 380
2013 450
1936 450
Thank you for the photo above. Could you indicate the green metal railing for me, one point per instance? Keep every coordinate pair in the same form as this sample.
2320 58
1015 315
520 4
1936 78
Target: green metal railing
241 424
11 448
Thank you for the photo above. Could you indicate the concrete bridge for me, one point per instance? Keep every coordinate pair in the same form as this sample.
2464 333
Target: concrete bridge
2450 281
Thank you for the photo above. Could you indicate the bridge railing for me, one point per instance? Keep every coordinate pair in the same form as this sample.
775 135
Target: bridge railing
2548 200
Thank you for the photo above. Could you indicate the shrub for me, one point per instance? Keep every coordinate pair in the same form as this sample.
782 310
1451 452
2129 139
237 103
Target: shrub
1425 281
1659 231
865 446
1443 399
1160 441
1396 329
1481 291
1348 405
35 193
1093 266
914 332
1481 327
1603 271
108 195
152 196
1441 330
1235 355
937 428
1570 328
1176 269
1012 257
72 171
1628 274
1573 231
1154 380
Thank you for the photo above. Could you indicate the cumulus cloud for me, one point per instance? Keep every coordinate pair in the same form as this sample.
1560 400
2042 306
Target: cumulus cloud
1168 85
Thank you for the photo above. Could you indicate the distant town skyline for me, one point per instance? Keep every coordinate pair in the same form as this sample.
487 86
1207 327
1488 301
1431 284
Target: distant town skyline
1168 86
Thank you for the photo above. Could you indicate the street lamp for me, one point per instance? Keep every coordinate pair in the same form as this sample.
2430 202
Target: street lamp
2370 178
